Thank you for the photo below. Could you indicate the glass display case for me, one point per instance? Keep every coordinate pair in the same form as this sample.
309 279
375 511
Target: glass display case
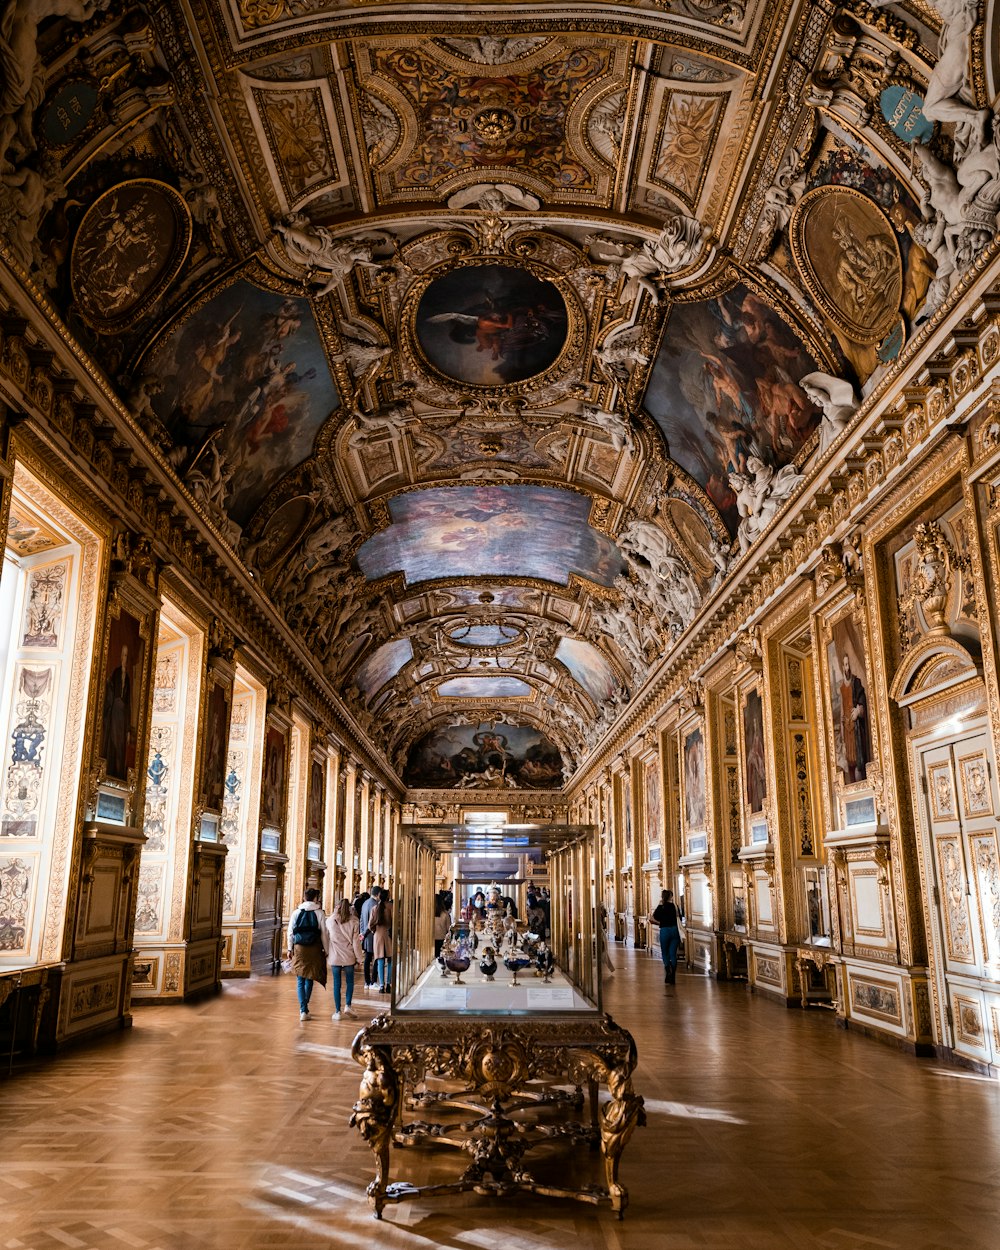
502 956
506 1022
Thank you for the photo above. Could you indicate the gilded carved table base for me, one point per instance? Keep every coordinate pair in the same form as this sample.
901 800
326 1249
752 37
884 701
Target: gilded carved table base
508 1074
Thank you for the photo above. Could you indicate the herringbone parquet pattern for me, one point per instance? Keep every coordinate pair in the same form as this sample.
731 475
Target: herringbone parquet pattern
223 1126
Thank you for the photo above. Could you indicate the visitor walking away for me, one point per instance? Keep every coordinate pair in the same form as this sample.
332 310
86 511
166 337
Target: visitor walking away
344 950
670 935
307 948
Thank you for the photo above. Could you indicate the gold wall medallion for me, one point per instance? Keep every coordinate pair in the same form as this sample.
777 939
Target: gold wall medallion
846 252
130 246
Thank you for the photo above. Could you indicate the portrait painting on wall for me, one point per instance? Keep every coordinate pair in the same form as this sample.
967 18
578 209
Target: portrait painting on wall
753 751
272 808
694 780
123 668
216 741
317 801
654 820
852 740
724 386
491 325
483 756
248 372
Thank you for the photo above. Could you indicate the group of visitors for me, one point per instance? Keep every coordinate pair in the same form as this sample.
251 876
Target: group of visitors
358 932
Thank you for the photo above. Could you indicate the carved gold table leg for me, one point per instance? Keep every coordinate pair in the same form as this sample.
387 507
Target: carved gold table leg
373 1116
620 1117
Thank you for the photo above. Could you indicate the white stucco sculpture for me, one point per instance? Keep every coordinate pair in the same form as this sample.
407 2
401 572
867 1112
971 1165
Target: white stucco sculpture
760 492
836 398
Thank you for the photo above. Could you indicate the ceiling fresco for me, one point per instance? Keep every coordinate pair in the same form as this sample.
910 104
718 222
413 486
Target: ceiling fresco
245 377
490 531
725 386
479 333
484 755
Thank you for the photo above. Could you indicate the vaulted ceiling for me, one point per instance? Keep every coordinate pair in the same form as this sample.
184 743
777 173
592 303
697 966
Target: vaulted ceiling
456 318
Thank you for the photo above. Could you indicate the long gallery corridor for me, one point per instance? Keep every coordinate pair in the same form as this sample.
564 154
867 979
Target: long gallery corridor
223 1126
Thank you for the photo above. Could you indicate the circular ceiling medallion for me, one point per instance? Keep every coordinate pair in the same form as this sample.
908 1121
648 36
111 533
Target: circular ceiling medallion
130 246
491 325
846 250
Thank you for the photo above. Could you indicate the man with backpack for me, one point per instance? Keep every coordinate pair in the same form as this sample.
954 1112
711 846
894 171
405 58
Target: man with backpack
307 948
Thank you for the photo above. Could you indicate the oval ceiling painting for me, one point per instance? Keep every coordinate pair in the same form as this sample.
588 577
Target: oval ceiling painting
491 325
130 246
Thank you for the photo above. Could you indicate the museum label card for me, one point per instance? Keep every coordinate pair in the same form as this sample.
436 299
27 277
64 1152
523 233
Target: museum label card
552 996
450 998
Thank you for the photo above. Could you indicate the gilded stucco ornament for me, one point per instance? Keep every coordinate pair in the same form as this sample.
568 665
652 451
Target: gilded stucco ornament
962 195
620 353
616 427
931 583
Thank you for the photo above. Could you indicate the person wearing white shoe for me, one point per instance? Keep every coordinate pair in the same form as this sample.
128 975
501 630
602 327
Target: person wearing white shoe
307 948
344 951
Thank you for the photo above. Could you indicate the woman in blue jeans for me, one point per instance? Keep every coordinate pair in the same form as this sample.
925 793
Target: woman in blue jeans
670 935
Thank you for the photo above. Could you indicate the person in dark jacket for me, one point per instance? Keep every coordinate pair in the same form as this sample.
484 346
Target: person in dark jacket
670 935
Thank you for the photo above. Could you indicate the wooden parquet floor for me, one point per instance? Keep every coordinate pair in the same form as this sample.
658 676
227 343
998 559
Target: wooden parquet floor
223 1126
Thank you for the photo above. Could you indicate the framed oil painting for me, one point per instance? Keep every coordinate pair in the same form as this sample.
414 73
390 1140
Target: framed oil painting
654 818
754 768
491 325
694 779
317 802
216 740
850 716
124 660
272 803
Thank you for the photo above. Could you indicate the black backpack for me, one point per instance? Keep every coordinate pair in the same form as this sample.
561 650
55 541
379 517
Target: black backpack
305 931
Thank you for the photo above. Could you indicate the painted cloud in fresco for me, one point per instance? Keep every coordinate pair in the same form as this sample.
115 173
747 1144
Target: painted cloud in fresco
382 666
479 531
588 667
725 383
476 756
250 362
483 688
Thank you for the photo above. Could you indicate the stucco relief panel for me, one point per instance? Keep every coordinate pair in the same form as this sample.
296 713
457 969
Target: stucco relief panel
296 121
987 878
958 932
685 141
